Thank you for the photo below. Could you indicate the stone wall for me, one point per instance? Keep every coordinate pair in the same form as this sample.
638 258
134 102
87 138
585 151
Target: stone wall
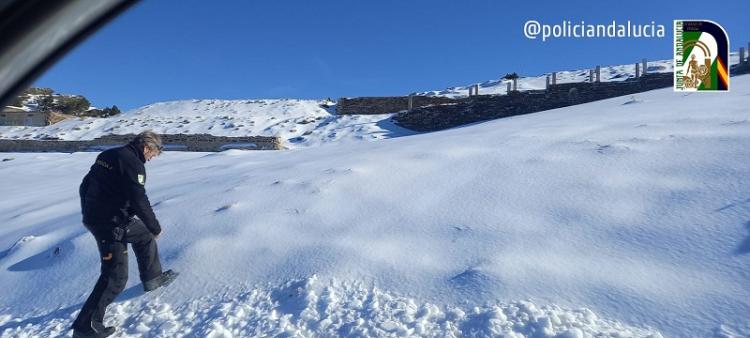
385 105
478 108
182 142
487 107
23 118
739 69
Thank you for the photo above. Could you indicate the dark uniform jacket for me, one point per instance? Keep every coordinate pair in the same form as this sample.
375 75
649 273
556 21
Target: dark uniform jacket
113 191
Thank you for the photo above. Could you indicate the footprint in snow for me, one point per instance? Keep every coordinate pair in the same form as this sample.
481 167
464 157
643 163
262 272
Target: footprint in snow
225 207
294 211
472 280
292 297
461 228
611 149
45 258
633 100
331 171
459 231
733 204
732 123
17 245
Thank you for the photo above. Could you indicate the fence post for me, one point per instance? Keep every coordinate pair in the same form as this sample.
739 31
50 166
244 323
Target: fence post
546 83
515 84
645 67
508 87
637 70
598 74
742 55
476 89
411 102
591 76
554 78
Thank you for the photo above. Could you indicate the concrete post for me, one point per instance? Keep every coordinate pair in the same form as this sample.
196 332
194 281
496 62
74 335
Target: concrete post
645 66
411 102
598 74
554 78
637 70
742 55
591 76
508 87
476 90
515 84
546 83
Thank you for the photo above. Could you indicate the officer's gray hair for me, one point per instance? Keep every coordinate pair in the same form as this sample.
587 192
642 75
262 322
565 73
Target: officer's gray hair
148 138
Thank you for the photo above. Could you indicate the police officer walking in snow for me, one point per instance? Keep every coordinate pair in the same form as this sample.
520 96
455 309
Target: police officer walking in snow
112 195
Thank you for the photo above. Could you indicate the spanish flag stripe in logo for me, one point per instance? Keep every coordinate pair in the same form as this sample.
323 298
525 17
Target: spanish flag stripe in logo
722 72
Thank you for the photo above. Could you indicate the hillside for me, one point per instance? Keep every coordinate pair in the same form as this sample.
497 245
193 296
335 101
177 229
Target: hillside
614 218
300 123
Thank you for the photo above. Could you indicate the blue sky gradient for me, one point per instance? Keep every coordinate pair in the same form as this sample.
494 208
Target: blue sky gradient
164 50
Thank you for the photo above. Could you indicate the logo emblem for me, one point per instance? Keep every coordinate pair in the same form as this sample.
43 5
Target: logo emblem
141 179
701 56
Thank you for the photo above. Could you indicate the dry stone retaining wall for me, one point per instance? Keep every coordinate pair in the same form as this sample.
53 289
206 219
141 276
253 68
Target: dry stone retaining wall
183 142
385 105
486 107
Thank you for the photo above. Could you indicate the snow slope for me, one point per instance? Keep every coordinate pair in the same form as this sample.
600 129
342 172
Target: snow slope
299 123
614 218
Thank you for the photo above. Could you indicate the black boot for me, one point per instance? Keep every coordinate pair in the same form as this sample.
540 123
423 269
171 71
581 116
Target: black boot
164 279
96 330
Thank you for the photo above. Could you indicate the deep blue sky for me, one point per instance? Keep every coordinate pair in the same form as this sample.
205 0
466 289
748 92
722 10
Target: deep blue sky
165 50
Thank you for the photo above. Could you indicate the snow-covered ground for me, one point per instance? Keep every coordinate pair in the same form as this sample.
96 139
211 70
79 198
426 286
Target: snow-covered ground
622 217
299 123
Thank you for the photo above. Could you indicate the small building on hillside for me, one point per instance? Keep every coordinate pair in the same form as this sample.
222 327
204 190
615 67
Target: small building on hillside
15 116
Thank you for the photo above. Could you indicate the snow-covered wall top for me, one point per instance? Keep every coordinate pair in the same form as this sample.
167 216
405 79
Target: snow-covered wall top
611 73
